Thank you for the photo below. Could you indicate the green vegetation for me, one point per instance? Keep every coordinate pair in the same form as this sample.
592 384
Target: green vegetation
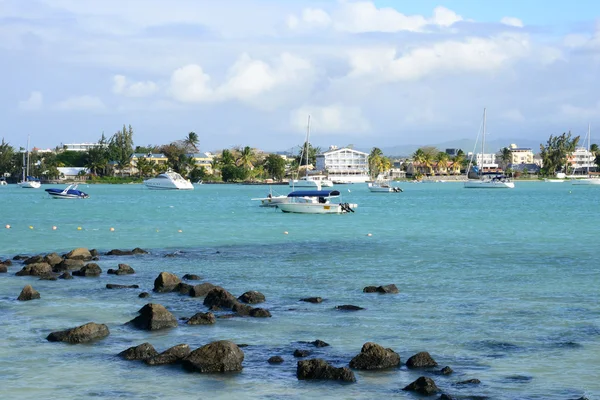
554 154
378 163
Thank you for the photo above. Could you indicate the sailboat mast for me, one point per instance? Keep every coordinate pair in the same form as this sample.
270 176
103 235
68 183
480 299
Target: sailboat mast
483 142
307 141
588 149
27 158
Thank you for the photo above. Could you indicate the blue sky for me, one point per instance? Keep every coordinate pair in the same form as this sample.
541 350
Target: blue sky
248 72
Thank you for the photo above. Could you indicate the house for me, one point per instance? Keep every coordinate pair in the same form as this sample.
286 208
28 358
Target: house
81 146
520 155
344 165
582 159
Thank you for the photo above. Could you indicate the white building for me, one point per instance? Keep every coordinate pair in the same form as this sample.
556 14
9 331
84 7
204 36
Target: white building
582 159
344 165
485 161
80 146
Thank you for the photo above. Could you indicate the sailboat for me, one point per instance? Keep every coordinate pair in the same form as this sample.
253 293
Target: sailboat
487 181
28 182
587 180
306 181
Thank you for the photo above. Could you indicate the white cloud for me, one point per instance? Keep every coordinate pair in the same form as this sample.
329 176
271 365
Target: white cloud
512 21
365 16
81 103
513 114
334 118
581 113
34 102
136 89
190 84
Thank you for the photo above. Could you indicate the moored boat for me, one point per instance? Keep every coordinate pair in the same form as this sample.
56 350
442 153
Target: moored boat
169 180
315 202
70 192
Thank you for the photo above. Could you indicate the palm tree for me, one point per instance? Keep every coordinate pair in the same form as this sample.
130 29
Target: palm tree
428 159
191 141
505 156
442 162
227 158
144 166
418 159
375 162
246 158
458 161
95 160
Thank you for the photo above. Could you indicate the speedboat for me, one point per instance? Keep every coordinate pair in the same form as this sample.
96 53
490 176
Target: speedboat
70 192
169 180
271 200
383 186
315 202
3 181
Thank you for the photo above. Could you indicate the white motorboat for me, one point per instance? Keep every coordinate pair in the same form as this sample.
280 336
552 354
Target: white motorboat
70 192
169 180
272 200
315 202
28 182
494 181
3 181
381 185
587 180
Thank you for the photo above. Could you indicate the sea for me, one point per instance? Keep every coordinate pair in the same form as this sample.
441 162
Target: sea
500 285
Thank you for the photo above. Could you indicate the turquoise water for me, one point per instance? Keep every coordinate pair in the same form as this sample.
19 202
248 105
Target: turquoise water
501 286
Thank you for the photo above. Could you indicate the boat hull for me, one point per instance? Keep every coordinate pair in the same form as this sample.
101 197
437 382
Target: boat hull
30 185
375 188
272 201
316 208
489 185
586 182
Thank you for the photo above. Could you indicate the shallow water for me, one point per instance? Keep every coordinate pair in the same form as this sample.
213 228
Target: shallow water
500 285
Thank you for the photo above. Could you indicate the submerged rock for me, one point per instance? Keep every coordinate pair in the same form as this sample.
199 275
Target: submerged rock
373 356
201 290
90 269
81 334
166 282
202 319
220 356
140 352
123 269
320 369
275 360
68 265
348 307
28 293
191 277
252 297
170 356
423 385
37 269
219 297
115 286
421 360
314 300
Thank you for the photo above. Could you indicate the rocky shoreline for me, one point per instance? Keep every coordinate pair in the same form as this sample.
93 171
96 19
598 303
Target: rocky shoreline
313 361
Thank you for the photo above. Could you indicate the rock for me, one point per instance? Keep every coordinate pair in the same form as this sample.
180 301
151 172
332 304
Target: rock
34 260
201 290
388 289
373 356
220 356
320 369
166 282
49 277
252 297
3 269
123 269
348 307
65 275
275 360
370 289
115 286
423 385
68 265
79 254
94 253
301 353
191 277
6 263
81 334
260 313
184 288
220 297
469 382
241 309
154 317
90 269
137 250
140 352
117 252
53 259
38 269
202 319
445 396
319 343
144 295
446 370
20 257
421 360
28 293
170 356
312 300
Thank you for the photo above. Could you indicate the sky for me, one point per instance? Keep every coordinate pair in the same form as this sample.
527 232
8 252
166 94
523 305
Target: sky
249 72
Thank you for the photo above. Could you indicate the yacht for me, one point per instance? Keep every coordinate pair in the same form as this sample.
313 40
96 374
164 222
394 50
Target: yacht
169 180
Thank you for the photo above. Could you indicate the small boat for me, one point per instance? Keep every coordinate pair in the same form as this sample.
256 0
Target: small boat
170 180
28 182
315 202
588 179
3 181
70 192
381 185
271 200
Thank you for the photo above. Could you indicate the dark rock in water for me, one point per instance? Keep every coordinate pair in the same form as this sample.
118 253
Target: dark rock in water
423 385
166 282
320 369
348 307
260 313
314 300
241 309
6 263
38 269
192 277
137 250
469 382
445 396
65 275
421 360
79 254
370 289
154 317
81 334
28 293
144 295
319 343
301 353
252 297
170 356
123 269
388 289
68 265
3 269
275 360
20 258
184 288
220 297
446 370
140 352
34 260
94 253
53 259
202 289
518 378
49 277
115 286
202 319
220 356
373 356
117 252
90 269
